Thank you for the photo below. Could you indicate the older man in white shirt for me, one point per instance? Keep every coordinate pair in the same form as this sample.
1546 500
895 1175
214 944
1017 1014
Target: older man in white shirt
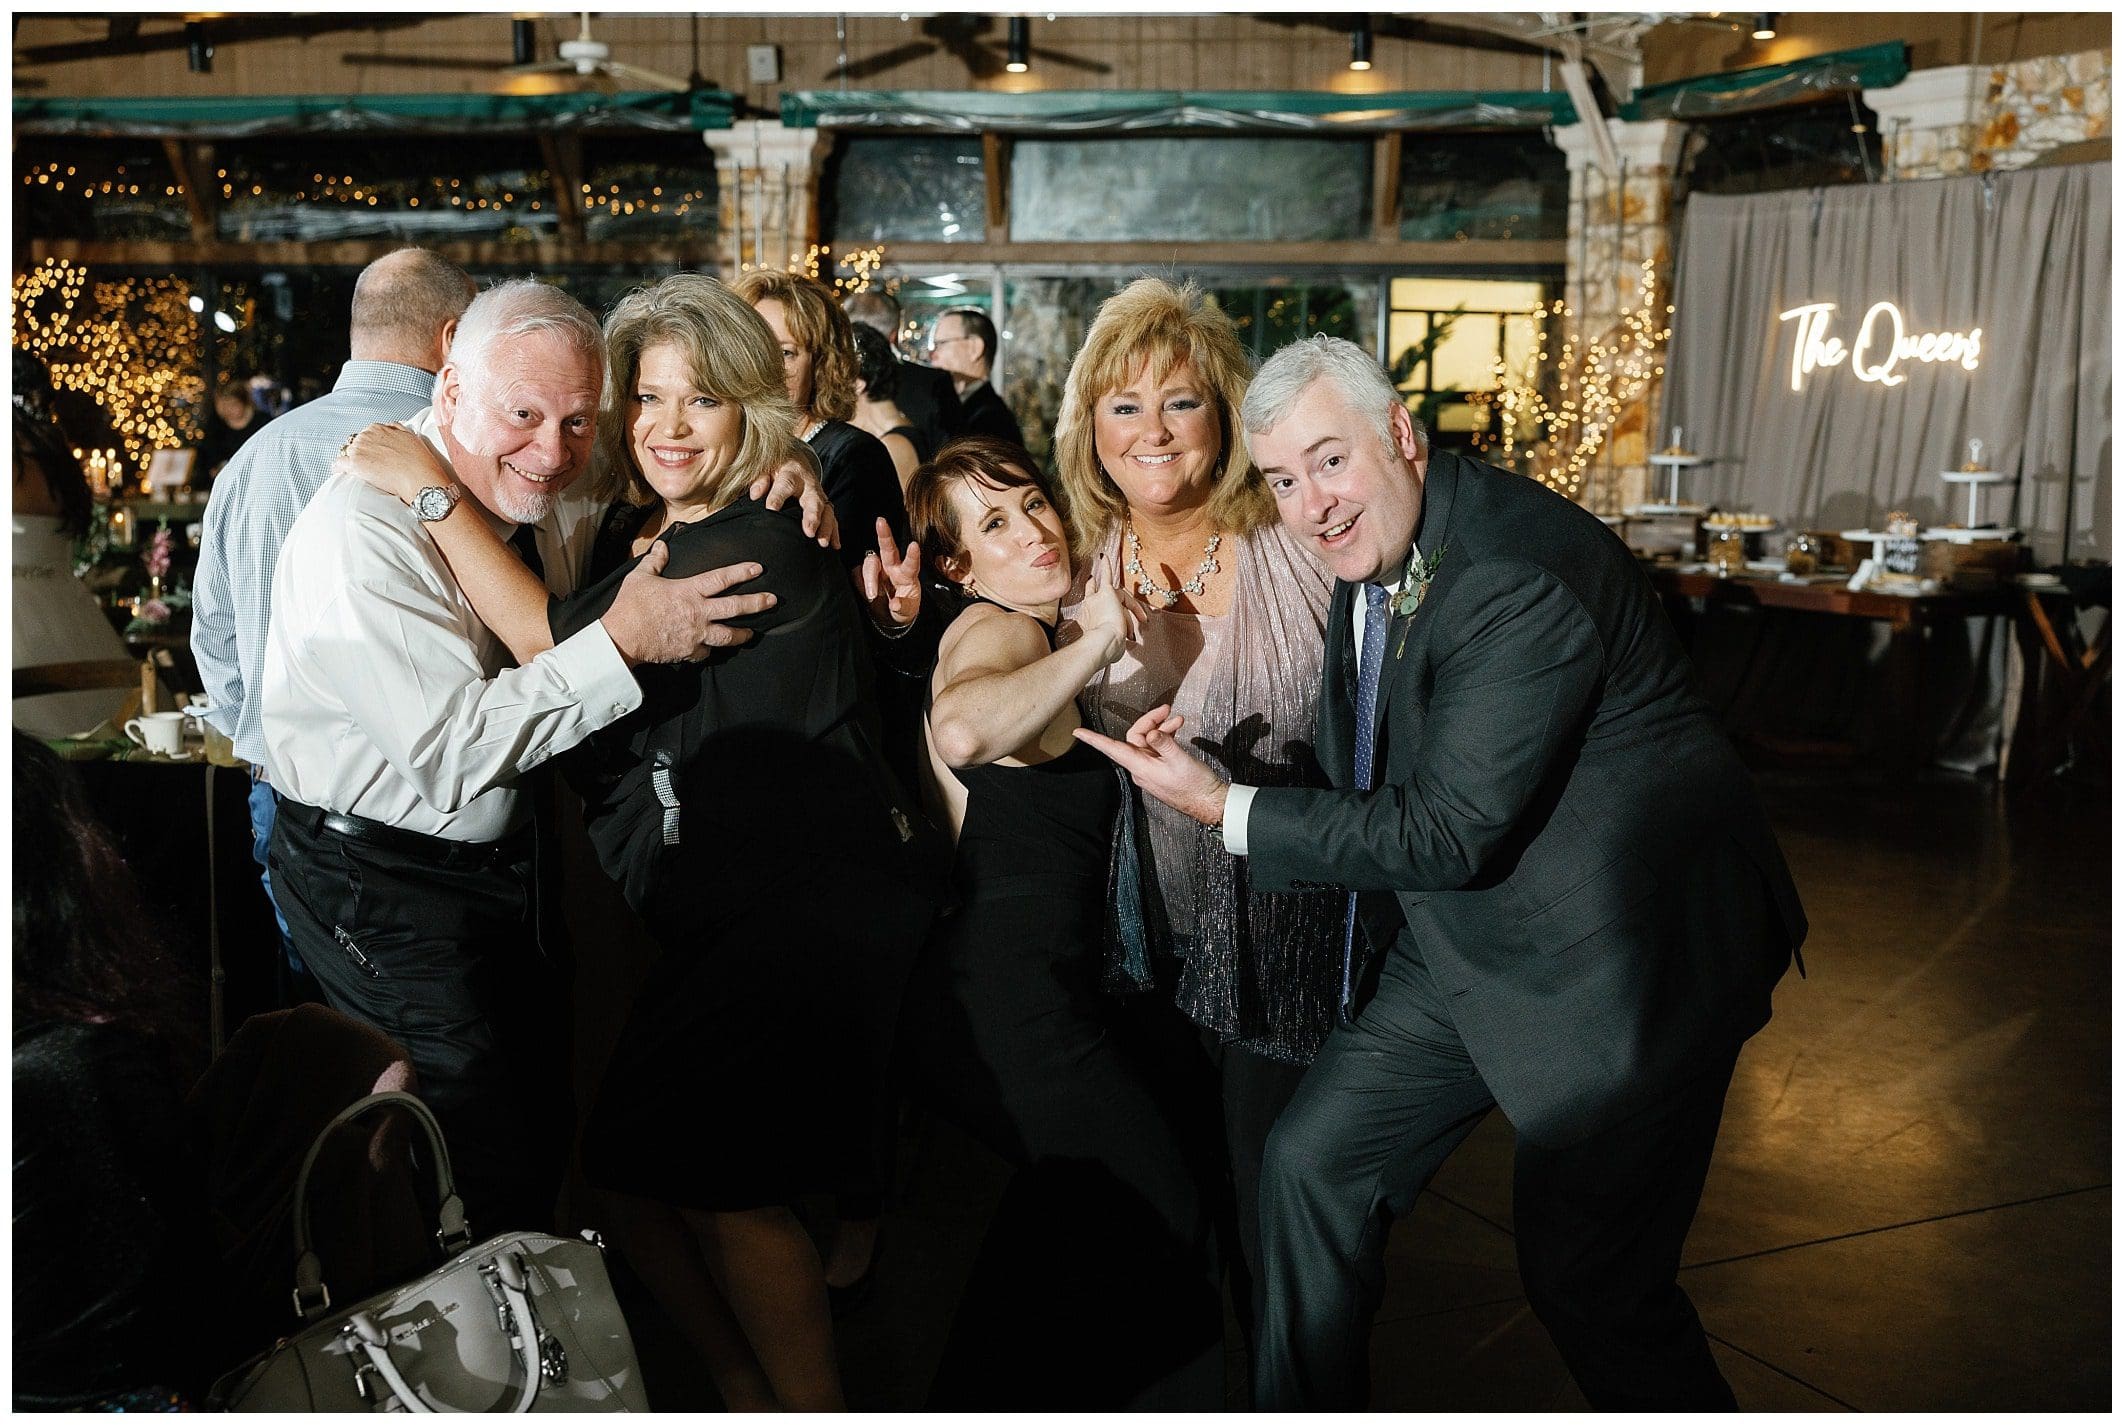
396 731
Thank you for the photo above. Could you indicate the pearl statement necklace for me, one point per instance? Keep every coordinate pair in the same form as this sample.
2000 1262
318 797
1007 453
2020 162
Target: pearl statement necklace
1168 597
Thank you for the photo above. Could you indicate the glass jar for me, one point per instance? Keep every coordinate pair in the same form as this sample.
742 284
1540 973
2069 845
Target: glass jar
1803 555
1727 551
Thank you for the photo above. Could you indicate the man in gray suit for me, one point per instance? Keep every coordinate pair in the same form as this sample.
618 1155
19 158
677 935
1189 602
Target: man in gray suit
1574 906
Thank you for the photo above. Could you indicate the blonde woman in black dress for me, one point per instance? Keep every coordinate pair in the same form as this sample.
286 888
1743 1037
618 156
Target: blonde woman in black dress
747 814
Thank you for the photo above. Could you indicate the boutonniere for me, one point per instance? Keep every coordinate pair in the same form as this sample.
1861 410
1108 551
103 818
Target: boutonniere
1415 583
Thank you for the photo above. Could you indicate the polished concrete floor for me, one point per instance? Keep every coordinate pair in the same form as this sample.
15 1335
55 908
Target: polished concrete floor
1910 1205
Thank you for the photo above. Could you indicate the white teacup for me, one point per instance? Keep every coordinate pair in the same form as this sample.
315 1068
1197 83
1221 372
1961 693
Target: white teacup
161 732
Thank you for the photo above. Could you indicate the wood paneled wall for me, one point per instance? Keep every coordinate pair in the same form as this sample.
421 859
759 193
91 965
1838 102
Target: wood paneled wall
1140 52
1936 39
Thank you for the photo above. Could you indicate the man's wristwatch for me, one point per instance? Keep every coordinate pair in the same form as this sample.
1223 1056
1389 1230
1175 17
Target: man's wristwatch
435 502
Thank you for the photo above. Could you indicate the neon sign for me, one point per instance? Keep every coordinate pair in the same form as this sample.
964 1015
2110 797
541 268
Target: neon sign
1881 345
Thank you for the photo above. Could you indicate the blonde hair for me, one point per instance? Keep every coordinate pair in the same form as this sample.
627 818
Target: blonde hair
1151 319
820 327
731 355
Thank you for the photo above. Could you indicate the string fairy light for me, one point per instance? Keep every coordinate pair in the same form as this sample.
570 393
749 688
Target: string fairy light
1596 379
643 189
132 344
862 266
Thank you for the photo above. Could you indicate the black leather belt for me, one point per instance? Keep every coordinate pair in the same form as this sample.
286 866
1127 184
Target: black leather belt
416 845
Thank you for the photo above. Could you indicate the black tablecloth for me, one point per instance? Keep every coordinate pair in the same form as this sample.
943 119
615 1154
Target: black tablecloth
158 812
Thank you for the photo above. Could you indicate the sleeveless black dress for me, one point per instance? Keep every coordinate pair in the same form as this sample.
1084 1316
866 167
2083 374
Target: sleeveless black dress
1096 1287
924 451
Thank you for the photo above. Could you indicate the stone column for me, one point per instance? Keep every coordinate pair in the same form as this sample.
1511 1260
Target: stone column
1925 121
1619 222
1966 118
766 180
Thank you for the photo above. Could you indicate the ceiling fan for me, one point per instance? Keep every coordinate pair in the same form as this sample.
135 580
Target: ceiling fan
588 56
961 36
585 57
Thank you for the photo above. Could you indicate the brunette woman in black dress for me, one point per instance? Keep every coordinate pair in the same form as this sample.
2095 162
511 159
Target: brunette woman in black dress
1097 1288
878 407
747 814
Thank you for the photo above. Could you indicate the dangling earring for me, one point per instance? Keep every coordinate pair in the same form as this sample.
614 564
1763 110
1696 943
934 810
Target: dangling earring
973 589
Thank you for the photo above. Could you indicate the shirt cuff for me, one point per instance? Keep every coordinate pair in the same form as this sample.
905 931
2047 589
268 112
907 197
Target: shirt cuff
1238 802
589 663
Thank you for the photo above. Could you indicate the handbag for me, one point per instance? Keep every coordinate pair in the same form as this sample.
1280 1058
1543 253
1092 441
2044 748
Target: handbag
523 1321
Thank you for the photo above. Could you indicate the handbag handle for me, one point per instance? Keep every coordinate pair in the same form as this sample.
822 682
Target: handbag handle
375 1344
451 1234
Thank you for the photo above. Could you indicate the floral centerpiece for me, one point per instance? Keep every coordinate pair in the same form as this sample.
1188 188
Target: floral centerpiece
154 611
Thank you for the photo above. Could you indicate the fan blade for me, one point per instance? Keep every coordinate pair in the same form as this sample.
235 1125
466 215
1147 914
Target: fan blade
879 63
422 61
649 77
1069 61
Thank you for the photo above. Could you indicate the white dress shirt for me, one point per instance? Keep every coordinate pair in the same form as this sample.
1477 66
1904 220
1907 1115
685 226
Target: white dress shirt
1238 797
383 694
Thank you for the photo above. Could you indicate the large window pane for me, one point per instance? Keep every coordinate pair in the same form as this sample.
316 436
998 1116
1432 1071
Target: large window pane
906 190
1189 189
1445 338
1804 146
1269 317
323 188
1506 185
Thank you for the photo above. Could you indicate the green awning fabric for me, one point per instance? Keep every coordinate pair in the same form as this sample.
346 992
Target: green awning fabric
1710 95
243 117
1054 111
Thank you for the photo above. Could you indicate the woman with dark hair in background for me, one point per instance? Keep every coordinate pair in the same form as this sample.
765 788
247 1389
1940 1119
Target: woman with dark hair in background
236 419
57 620
819 372
110 1213
877 406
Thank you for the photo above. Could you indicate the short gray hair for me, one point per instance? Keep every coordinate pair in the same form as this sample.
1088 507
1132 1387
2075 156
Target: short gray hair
1361 382
522 307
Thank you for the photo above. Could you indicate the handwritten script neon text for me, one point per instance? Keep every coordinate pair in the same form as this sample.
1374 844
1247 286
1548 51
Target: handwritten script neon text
1881 345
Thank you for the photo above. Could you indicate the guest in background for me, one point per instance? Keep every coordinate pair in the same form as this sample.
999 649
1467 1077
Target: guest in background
235 420
1097 1288
109 1204
56 618
747 815
1150 454
963 342
877 384
405 313
819 368
926 394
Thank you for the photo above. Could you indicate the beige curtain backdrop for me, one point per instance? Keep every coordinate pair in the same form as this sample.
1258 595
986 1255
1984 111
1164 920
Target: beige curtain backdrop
2024 256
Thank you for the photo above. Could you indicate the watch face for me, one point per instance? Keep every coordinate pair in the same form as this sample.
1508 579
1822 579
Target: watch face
433 503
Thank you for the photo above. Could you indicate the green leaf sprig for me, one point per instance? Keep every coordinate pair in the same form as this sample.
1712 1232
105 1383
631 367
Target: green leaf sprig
1415 583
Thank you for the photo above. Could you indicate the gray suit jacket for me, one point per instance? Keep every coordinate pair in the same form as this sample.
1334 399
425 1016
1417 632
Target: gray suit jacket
1561 830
